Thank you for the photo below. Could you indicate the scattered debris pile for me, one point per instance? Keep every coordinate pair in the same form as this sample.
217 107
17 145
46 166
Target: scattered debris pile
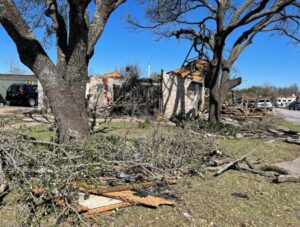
95 199
44 174
286 171
280 172
241 112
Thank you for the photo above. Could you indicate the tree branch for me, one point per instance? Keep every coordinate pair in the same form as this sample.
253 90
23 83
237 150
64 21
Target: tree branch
103 10
30 50
59 25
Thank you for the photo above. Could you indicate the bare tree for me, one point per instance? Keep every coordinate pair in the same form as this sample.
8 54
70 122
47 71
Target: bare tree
220 31
12 67
76 35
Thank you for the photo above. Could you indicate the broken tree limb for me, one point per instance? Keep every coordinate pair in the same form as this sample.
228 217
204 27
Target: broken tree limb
255 171
229 166
83 187
249 163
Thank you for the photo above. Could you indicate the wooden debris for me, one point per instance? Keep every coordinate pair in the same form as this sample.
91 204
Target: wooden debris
291 140
134 197
274 168
93 212
83 187
255 171
94 201
288 171
288 178
229 166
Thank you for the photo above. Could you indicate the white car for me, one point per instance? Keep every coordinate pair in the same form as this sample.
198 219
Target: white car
264 103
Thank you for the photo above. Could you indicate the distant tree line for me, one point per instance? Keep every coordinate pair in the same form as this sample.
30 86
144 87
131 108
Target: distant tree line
268 91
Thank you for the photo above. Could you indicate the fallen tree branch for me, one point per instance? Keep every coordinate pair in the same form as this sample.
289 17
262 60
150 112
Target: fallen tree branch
83 187
255 171
229 166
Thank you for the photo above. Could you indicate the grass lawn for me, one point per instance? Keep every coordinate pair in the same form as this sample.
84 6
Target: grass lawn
207 202
210 203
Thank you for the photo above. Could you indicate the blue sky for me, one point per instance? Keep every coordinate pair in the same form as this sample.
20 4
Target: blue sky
267 60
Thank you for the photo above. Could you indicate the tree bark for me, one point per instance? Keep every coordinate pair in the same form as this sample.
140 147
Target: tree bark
219 89
70 118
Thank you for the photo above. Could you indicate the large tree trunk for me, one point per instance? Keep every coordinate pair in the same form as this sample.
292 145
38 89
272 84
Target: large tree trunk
219 90
71 120
214 106
64 83
70 116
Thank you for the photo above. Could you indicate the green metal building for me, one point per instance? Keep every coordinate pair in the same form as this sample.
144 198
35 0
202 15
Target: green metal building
8 79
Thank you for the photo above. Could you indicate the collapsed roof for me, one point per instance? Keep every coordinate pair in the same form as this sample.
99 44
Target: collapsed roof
194 70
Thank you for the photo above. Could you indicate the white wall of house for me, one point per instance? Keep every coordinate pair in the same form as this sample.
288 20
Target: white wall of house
100 96
180 95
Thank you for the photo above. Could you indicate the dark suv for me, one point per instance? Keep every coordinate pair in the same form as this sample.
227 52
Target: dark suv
294 105
22 94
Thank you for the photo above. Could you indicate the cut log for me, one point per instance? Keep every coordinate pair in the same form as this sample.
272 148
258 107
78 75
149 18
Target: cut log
293 141
288 178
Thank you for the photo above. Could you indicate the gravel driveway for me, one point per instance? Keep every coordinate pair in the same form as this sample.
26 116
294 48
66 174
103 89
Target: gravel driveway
290 115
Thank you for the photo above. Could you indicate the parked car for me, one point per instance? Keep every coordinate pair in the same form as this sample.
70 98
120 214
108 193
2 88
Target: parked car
264 103
283 102
294 105
22 94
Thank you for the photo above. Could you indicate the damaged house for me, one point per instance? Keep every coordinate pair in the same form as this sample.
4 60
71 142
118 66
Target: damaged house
102 90
179 92
183 90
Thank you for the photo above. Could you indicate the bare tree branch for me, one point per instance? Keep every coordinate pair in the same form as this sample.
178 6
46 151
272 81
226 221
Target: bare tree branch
103 10
59 25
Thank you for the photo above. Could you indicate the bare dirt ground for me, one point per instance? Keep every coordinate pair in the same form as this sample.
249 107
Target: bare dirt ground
290 115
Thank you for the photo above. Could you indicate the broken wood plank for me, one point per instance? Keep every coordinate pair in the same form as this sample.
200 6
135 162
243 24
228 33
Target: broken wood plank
83 187
134 197
95 201
93 212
